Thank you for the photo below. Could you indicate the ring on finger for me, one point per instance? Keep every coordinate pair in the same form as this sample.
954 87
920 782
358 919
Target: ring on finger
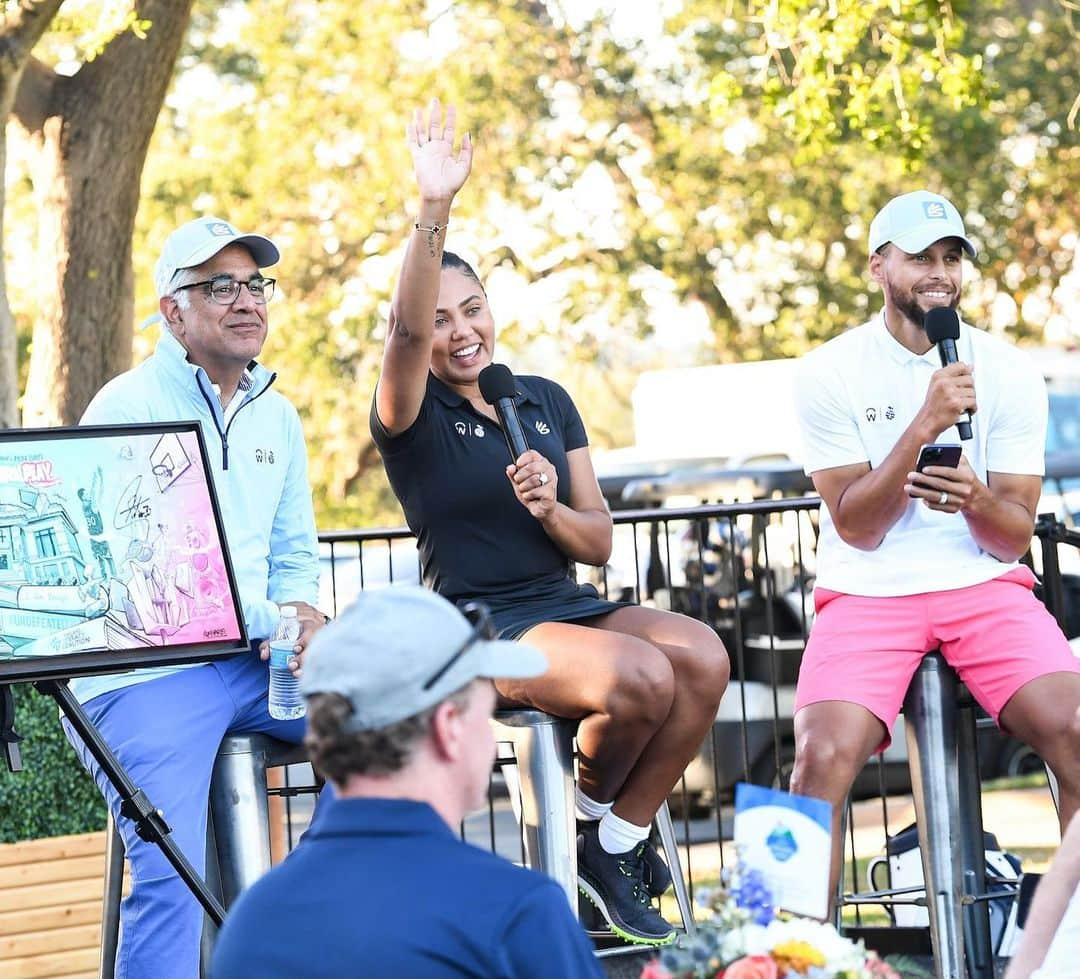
944 498
543 477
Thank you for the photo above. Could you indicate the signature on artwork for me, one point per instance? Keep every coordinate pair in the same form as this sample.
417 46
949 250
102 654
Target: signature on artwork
132 505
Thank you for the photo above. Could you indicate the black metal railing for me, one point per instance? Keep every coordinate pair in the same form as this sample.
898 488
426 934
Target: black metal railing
745 569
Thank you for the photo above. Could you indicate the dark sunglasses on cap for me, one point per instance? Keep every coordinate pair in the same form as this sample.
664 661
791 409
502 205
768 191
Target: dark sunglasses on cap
479 618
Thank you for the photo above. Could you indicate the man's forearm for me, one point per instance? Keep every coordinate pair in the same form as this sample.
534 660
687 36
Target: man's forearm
1002 528
868 508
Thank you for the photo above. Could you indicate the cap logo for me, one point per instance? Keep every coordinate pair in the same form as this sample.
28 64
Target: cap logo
934 210
220 228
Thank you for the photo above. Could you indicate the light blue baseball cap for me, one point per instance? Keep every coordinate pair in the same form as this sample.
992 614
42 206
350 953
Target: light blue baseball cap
915 221
399 650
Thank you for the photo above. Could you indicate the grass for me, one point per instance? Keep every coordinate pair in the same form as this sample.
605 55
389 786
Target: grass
1032 859
1036 780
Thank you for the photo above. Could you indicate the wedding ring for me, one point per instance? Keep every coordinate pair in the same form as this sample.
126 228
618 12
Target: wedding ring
943 499
543 479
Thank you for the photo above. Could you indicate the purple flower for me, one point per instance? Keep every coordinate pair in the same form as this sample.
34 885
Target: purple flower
752 894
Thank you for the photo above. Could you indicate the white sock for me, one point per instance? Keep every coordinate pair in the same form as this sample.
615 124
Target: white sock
589 808
618 836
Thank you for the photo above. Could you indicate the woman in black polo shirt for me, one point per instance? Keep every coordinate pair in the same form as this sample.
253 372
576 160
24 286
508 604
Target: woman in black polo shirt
645 683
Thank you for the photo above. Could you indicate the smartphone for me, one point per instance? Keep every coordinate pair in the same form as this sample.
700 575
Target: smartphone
939 454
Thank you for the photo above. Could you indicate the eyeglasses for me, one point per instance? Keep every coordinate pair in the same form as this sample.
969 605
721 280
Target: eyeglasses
482 628
224 289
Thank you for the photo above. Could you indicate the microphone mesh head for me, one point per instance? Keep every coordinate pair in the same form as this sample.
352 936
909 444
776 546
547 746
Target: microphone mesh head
496 382
942 323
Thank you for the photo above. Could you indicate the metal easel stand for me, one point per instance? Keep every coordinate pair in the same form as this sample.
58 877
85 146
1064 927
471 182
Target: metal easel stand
149 822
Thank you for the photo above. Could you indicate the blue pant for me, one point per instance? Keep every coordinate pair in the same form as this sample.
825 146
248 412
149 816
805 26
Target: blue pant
166 733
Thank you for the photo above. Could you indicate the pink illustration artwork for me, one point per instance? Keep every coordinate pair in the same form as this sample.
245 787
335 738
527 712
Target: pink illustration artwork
110 542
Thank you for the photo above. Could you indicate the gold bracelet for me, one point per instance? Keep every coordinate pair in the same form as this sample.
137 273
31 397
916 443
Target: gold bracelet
434 229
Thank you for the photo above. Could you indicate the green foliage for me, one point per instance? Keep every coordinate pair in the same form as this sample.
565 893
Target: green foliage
702 193
909 967
53 795
82 30
861 67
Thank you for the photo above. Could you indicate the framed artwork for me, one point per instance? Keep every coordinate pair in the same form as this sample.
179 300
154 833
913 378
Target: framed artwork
112 553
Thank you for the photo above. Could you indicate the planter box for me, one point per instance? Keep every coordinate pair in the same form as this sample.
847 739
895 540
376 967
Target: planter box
50 906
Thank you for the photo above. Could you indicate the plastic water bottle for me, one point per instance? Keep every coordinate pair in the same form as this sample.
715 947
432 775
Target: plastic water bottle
284 698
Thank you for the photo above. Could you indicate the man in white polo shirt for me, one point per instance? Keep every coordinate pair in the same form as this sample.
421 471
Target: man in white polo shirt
911 562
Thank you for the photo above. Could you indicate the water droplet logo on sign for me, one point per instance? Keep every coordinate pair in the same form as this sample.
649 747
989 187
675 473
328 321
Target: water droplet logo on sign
781 843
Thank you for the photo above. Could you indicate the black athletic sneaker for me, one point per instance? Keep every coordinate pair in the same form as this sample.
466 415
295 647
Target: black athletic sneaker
657 876
615 885
592 921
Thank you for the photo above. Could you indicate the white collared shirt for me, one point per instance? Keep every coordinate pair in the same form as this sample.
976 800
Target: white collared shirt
246 384
855 396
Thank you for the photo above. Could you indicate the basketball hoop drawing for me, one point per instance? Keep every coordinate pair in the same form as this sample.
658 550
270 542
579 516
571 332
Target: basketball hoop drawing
168 461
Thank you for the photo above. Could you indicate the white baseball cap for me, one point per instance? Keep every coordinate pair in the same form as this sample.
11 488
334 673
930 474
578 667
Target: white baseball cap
915 221
200 240
399 650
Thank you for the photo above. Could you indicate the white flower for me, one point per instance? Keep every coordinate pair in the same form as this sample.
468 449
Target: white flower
749 939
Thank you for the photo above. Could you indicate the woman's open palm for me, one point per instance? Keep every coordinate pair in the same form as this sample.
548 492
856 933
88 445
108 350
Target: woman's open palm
439 173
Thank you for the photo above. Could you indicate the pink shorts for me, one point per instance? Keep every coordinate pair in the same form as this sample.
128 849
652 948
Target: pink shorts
865 650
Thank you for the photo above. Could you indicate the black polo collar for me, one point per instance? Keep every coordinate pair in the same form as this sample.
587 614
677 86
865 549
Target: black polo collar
449 397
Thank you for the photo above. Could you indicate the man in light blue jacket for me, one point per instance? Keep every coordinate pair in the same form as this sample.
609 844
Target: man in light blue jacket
165 724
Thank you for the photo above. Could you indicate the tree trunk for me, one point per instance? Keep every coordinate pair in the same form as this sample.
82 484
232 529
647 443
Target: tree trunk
9 368
19 32
92 146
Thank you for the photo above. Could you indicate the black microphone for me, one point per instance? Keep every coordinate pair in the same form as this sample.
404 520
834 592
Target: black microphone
497 388
943 328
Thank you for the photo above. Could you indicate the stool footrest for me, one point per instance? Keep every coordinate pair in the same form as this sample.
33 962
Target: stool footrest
291 791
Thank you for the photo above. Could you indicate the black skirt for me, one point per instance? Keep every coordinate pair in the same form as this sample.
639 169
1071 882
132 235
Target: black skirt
560 601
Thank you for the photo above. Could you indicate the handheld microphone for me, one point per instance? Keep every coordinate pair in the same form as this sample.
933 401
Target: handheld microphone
943 328
498 389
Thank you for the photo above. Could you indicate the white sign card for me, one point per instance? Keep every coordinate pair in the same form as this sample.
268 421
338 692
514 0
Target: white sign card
787 838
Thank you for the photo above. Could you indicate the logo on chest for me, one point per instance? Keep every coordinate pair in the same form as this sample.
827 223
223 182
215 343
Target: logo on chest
264 455
875 413
542 427
470 428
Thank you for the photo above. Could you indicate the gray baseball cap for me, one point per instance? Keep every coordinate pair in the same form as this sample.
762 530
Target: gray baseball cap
383 652
915 221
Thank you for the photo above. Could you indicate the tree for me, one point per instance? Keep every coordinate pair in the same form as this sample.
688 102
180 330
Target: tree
91 131
712 181
21 29
771 131
301 134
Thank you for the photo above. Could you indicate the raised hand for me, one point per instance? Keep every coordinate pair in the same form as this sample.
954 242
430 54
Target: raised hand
440 173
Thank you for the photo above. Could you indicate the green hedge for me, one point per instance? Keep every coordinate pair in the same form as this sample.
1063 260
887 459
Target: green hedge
53 795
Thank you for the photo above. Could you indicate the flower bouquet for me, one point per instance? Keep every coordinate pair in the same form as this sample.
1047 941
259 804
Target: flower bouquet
744 938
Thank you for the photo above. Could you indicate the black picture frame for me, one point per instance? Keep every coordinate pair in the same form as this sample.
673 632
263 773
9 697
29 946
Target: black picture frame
113 555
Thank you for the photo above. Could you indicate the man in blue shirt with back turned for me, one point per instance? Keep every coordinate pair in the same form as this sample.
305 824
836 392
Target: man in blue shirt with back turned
399 703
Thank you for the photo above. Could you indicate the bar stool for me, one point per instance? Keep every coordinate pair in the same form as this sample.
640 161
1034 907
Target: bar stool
238 831
940 723
239 807
544 752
